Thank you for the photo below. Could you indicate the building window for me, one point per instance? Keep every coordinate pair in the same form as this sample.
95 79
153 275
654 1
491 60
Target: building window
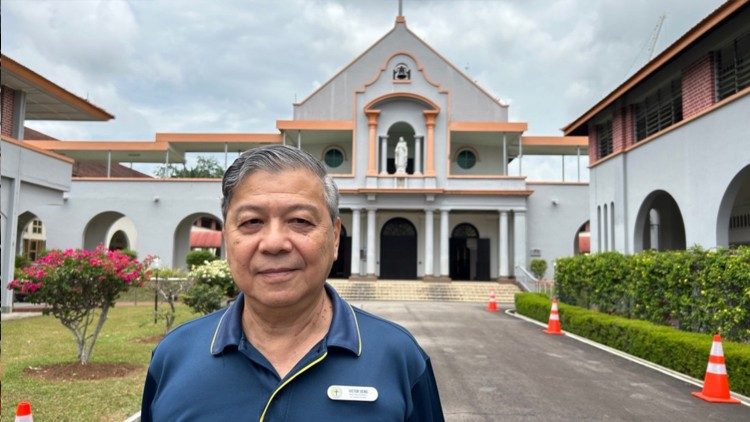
733 67
604 139
334 157
661 109
36 227
466 159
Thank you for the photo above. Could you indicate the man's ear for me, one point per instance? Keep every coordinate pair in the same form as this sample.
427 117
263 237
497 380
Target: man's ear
336 237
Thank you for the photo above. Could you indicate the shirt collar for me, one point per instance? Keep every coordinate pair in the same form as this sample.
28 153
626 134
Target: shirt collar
343 333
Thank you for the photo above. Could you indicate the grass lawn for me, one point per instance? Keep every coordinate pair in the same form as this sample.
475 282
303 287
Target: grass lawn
40 341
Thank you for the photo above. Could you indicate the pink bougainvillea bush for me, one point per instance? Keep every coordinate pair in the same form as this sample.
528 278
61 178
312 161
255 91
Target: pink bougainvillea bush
79 286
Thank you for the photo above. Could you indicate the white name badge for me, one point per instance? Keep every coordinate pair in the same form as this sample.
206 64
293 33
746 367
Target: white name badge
352 393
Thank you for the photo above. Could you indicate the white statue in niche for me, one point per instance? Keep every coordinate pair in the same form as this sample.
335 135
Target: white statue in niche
402 152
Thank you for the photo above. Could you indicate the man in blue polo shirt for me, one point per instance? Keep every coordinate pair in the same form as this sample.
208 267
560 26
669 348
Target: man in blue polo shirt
289 348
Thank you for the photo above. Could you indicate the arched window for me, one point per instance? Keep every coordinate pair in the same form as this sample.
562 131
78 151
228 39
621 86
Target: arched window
466 158
465 230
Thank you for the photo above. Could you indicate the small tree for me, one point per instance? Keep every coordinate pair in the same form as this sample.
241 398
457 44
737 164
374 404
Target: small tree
78 284
215 273
212 283
203 298
169 290
538 267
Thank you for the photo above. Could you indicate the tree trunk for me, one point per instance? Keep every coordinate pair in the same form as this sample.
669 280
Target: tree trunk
88 343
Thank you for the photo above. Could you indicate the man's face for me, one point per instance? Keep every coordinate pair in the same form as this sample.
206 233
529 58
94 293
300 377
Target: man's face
280 240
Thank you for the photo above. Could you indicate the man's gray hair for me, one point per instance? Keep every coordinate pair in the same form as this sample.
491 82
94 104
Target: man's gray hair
274 159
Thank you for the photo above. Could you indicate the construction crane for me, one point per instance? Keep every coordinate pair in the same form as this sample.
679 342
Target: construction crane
655 36
650 43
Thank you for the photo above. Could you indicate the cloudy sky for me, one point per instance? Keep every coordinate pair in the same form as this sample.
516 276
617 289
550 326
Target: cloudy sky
238 65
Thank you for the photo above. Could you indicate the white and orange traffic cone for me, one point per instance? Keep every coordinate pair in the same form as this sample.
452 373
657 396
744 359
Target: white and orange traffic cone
716 383
492 304
553 326
23 412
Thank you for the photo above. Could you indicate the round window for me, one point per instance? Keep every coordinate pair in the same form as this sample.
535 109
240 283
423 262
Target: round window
334 157
466 159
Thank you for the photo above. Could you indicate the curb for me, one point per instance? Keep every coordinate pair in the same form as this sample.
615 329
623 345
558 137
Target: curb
744 400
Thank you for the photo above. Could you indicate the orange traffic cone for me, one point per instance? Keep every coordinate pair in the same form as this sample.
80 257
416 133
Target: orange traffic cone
23 412
553 326
492 304
716 383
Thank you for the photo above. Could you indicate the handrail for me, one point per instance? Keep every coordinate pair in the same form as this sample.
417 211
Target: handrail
522 281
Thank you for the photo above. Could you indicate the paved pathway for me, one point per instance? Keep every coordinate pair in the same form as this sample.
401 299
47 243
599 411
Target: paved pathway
491 367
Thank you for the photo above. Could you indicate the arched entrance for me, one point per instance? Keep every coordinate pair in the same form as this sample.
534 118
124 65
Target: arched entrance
119 241
31 236
98 228
733 221
396 131
659 224
398 250
342 266
469 254
196 231
582 240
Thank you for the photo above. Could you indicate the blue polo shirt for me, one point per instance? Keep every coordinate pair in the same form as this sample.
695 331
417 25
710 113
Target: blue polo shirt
365 369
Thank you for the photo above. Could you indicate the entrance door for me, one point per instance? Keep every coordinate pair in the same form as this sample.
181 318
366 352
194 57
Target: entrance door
398 250
469 255
342 266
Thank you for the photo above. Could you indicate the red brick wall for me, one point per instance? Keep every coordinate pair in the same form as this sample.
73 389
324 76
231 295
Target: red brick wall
622 128
698 88
593 147
629 125
7 95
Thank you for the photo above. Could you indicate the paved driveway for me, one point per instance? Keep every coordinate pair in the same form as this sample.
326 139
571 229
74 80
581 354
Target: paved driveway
492 367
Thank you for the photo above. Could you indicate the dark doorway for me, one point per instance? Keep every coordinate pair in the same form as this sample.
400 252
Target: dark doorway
469 254
342 266
659 224
398 250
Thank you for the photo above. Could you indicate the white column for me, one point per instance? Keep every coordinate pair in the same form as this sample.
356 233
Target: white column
429 243
520 156
519 237
383 155
109 163
371 242
563 168
10 238
502 243
578 162
299 139
418 155
504 164
355 241
444 250
226 155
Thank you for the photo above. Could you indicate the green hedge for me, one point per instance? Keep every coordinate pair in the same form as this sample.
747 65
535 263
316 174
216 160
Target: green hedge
694 290
682 351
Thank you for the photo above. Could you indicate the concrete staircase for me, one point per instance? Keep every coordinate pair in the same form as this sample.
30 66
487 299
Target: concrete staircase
455 291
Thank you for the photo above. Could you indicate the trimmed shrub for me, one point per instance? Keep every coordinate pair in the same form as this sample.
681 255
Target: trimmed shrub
694 290
538 267
199 257
678 350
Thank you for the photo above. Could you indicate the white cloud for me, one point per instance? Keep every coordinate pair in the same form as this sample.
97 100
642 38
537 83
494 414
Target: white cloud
237 65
